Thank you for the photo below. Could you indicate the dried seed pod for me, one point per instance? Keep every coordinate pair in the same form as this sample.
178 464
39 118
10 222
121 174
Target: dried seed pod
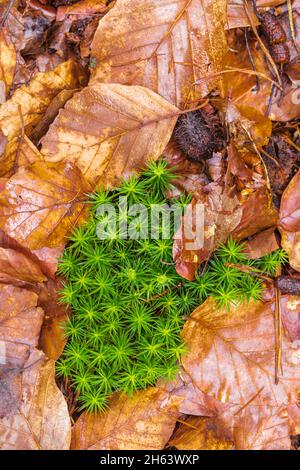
198 135
288 285
272 29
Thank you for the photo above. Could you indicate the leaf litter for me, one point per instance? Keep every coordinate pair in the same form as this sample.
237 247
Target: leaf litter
90 93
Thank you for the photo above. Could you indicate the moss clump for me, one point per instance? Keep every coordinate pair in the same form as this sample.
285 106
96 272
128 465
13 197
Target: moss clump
127 300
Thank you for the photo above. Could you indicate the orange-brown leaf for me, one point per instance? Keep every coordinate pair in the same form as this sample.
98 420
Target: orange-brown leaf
164 46
202 434
231 356
110 131
144 421
42 421
42 203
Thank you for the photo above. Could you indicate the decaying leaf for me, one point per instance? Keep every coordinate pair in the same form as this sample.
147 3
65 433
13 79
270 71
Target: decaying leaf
7 64
20 324
24 109
262 244
262 428
289 221
45 202
42 421
222 214
110 131
144 421
18 265
232 357
202 434
164 46
52 339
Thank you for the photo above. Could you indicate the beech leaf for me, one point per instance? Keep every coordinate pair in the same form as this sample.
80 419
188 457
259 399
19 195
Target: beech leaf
144 421
42 421
165 46
45 202
110 131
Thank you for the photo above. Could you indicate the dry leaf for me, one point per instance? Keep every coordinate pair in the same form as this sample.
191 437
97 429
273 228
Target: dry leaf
52 338
18 265
110 131
144 421
231 356
42 421
222 214
202 434
45 202
28 103
289 221
7 64
262 244
20 324
164 46
262 428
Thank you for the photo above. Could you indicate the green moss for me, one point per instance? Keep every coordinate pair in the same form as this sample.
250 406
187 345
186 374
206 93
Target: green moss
128 302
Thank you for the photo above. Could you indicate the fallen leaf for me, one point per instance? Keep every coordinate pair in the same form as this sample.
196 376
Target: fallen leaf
202 434
45 202
18 265
289 221
232 356
42 421
192 400
28 103
237 16
262 428
144 421
110 131
290 314
7 64
20 324
290 206
52 339
175 43
262 244
81 10
222 214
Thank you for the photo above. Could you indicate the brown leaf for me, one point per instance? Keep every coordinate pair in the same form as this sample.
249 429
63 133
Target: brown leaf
164 46
261 244
52 338
237 16
28 103
110 131
81 10
7 64
144 421
289 221
290 314
52 111
45 202
262 428
222 214
18 265
202 434
192 400
42 421
236 204
231 355
290 241
20 324
290 206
